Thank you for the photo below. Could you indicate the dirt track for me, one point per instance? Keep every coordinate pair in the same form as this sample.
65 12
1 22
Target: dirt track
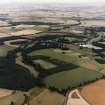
78 100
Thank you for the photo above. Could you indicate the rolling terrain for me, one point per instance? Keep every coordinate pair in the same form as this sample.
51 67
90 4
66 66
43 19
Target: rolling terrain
52 57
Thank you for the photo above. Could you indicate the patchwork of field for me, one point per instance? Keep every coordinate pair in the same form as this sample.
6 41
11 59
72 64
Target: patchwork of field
47 74
76 70
74 67
41 57
22 29
72 56
25 32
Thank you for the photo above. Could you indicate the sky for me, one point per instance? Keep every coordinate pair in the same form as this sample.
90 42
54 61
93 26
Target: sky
55 1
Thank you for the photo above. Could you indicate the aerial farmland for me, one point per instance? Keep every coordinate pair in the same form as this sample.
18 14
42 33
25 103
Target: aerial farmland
52 55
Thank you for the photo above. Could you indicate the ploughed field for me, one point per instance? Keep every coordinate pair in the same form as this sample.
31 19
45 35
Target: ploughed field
92 91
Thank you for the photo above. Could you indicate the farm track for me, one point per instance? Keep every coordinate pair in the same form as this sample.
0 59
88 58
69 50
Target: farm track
79 100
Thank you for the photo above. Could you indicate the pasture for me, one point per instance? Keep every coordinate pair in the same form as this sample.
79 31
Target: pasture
71 78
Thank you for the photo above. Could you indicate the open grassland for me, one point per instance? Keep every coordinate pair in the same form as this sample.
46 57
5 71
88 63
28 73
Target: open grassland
35 91
70 56
48 98
94 93
83 51
71 78
56 53
53 54
44 64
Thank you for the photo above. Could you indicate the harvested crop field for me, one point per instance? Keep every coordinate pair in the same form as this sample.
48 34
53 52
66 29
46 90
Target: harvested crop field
5 92
4 23
95 93
25 32
92 65
90 23
70 21
17 98
76 31
48 98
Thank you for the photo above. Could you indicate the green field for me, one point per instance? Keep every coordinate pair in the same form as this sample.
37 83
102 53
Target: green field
71 78
45 70
45 64
35 91
53 54
83 51
69 56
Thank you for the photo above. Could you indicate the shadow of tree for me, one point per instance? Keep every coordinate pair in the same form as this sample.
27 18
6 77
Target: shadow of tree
60 65
13 76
